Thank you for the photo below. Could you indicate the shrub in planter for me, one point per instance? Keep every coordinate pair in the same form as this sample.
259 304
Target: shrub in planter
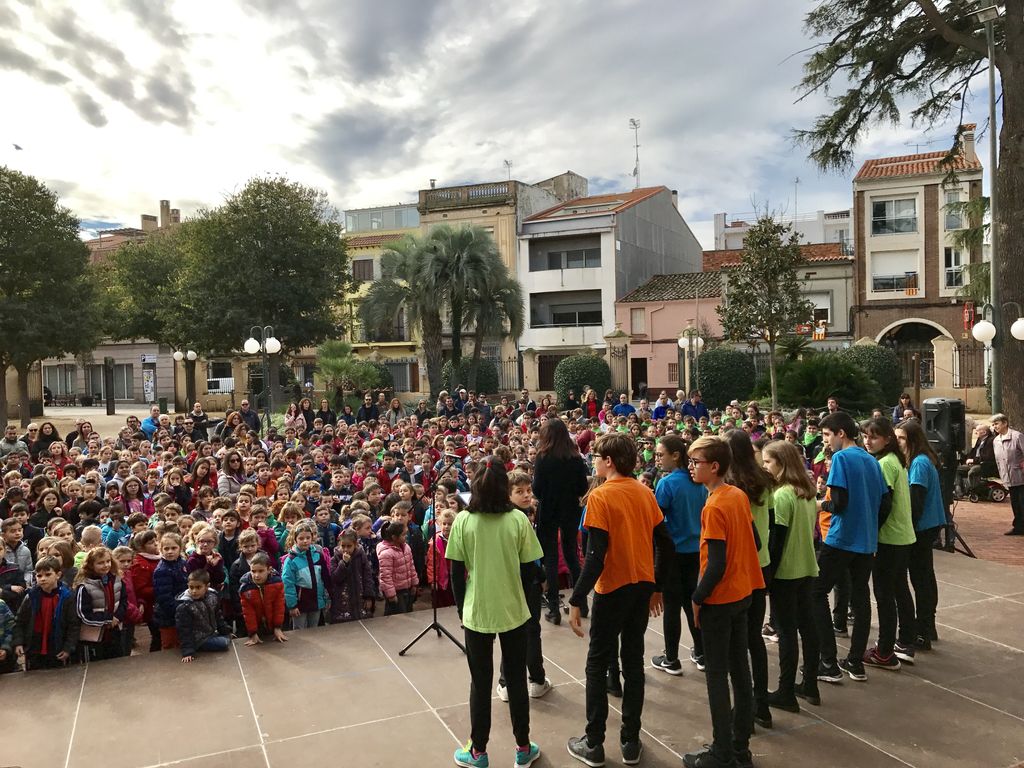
726 374
577 371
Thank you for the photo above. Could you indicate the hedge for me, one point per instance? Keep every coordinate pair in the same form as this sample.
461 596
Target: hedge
577 371
486 375
882 365
725 375
811 381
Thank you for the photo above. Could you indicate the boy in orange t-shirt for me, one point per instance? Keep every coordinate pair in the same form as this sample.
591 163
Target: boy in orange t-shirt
729 573
623 522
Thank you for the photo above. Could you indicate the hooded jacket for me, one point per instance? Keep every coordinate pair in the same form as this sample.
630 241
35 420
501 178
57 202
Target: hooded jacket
296 576
198 620
351 583
397 569
169 581
92 604
262 606
141 575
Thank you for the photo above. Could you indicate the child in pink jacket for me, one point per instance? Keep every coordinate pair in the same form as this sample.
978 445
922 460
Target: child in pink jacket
397 571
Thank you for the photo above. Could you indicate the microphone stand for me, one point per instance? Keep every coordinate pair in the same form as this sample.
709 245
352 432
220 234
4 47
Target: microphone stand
435 625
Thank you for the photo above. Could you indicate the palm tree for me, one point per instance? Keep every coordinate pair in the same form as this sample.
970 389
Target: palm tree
488 310
405 284
343 371
458 267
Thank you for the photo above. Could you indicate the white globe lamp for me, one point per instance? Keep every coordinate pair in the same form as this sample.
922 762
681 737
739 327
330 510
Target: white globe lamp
251 346
191 356
272 345
984 331
178 356
1017 329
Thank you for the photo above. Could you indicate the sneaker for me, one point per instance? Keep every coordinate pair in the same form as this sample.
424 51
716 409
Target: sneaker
586 754
810 695
705 759
527 756
554 617
840 631
631 752
537 690
464 756
744 759
663 663
831 674
769 634
697 661
874 659
923 643
786 703
854 668
904 653
614 685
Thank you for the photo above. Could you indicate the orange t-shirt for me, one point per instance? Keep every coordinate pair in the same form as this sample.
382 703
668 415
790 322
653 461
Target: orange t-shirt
825 518
628 511
726 517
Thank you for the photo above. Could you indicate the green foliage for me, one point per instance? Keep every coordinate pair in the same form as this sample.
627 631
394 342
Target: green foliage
340 369
882 365
726 374
794 347
811 381
486 375
384 379
577 371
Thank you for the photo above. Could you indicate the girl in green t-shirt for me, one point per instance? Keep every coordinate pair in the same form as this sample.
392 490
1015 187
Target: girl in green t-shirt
895 538
791 545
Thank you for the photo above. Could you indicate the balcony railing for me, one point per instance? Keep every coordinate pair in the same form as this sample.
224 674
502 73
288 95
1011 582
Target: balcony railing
398 333
467 195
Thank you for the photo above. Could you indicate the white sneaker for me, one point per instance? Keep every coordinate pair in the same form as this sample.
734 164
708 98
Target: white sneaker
537 690
502 692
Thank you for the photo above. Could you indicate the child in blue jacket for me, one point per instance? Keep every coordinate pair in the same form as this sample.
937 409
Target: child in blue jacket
169 581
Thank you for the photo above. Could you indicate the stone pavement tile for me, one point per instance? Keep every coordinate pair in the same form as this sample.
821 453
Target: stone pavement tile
412 740
333 666
154 707
53 692
987 577
249 757
999 688
1000 621
959 655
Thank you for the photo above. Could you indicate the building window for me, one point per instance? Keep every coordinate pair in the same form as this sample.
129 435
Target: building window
60 379
894 271
953 268
578 258
893 217
362 270
822 310
565 308
124 382
219 369
673 373
304 373
637 320
954 217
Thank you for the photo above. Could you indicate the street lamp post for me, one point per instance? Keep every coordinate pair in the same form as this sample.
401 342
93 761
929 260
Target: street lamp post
987 332
988 16
691 343
262 339
189 357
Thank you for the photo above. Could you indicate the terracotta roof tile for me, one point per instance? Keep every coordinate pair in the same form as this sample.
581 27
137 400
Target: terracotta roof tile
812 252
615 202
370 241
677 287
923 164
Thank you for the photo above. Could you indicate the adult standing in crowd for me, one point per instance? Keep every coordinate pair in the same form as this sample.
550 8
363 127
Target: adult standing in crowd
200 421
1009 456
250 418
368 410
695 407
559 482
326 414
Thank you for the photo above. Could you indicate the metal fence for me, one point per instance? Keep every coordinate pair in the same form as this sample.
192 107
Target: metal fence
509 374
969 367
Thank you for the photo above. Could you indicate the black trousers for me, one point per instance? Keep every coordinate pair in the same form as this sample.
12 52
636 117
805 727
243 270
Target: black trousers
1017 505
480 655
841 604
725 655
755 645
892 596
677 596
832 564
547 533
791 601
617 620
922 577
534 652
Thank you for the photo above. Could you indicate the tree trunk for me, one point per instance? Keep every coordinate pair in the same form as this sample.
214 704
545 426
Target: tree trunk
478 347
456 315
1010 235
3 396
432 339
23 397
771 373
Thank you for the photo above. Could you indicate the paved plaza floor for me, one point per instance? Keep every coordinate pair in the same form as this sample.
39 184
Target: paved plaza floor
342 695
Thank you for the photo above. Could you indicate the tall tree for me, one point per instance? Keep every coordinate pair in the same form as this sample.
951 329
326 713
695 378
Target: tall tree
403 285
875 57
762 295
49 293
460 261
495 310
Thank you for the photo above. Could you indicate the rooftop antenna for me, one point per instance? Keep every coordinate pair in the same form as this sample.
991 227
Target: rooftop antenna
634 125
508 168
796 187
918 144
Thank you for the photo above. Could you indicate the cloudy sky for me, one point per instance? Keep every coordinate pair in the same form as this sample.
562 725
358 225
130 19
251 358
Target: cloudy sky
120 104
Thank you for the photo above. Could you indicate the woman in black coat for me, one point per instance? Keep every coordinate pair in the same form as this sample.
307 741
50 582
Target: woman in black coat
559 482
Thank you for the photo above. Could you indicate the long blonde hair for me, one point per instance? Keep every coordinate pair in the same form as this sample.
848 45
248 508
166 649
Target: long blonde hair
791 468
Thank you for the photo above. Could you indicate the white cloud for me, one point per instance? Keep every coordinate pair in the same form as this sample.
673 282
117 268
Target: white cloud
126 103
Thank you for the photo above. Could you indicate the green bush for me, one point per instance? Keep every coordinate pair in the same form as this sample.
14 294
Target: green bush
384 378
882 365
811 381
577 371
486 375
726 374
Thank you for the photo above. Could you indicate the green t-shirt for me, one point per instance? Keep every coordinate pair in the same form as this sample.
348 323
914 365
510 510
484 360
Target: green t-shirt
760 513
799 516
493 546
899 526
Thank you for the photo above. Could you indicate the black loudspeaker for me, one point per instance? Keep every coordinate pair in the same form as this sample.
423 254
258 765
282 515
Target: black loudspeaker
944 425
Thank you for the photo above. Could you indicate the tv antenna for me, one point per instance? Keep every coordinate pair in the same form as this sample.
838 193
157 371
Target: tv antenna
918 144
508 168
634 126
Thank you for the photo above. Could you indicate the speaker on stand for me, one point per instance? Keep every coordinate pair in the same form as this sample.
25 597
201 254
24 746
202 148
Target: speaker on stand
945 426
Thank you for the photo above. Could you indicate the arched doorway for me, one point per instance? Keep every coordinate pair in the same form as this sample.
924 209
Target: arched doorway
910 338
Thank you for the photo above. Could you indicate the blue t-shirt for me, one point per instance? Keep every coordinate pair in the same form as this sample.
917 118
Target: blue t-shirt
922 472
681 501
856 528
623 409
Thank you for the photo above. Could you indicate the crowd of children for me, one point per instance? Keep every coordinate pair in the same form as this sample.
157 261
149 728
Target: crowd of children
747 525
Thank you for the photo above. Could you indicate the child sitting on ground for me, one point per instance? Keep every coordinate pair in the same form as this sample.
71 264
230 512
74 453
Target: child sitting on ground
198 620
261 594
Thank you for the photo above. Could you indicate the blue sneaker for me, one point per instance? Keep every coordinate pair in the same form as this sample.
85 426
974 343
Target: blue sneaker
464 757
527 756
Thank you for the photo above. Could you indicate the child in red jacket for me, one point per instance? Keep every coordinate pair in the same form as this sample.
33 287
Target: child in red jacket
397 569
261 593
147 558
133 614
